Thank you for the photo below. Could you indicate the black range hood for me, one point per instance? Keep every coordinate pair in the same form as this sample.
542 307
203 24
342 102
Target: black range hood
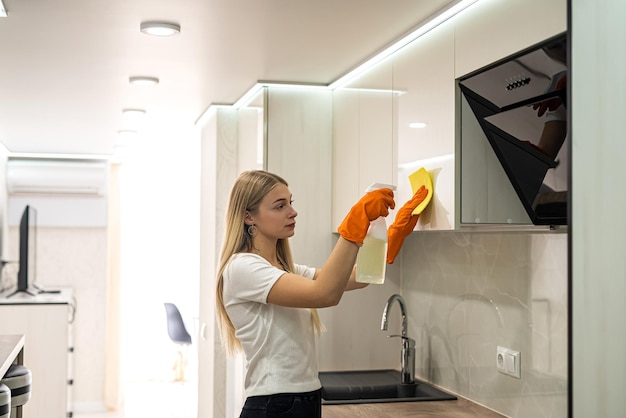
520 103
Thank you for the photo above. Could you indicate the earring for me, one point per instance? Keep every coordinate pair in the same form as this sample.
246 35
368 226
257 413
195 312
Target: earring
252 230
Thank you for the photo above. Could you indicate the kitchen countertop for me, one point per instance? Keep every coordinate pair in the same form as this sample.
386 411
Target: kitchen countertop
10 348
60 296
461 408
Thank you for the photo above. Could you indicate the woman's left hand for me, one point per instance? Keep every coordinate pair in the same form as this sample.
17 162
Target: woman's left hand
404 224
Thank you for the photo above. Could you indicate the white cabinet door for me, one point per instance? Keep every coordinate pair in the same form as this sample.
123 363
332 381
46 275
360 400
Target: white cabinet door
46 331
299 143
491 30
423 74
484 34
364 147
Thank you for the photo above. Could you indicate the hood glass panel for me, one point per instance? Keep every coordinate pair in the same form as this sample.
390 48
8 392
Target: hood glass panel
521 105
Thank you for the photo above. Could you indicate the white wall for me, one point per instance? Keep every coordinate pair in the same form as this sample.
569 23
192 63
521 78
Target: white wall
469 292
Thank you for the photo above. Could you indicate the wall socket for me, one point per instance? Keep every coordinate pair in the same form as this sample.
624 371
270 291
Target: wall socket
509 362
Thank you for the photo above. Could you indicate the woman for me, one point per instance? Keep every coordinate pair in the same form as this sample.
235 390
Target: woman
266 303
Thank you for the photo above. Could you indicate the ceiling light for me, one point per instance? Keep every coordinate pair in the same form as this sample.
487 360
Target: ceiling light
143 81
134 113
126 135
160 28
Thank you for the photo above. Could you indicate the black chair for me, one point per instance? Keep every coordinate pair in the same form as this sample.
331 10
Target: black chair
178 334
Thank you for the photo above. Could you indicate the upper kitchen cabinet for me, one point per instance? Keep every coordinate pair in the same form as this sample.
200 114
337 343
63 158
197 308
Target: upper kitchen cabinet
423 77
408 111
364 148
491 30
519 107
502 70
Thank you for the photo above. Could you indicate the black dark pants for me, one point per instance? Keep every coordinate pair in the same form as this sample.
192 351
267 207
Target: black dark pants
284 405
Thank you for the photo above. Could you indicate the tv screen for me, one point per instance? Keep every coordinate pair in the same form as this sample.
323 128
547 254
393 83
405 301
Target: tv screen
27 272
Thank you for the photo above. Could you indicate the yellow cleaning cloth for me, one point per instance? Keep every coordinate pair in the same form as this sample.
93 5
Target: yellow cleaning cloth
418 179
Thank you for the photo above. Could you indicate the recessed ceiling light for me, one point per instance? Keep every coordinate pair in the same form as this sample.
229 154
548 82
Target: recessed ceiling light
160 28
134 113
417 125
126 135
143 81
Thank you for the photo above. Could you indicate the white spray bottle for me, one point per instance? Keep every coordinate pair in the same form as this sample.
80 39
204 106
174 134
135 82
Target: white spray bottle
371 261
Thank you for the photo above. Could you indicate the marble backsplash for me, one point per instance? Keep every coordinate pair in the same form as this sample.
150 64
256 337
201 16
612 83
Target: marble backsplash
469 292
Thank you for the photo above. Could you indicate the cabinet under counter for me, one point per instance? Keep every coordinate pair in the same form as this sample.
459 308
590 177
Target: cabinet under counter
45 321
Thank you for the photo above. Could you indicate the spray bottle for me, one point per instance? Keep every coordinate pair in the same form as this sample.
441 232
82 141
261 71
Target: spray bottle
371 261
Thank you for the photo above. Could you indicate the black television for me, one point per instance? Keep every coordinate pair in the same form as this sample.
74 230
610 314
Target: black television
27 272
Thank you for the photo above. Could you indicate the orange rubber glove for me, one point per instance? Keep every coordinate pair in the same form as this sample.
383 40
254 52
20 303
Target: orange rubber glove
403 224
371 206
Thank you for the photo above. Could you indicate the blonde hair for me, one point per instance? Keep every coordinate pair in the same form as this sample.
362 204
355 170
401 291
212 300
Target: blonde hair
245 196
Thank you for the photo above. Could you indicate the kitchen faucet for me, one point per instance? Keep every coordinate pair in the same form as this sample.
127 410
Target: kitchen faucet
407 358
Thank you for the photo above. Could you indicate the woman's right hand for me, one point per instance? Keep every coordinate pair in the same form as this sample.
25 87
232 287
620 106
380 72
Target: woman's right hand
371 206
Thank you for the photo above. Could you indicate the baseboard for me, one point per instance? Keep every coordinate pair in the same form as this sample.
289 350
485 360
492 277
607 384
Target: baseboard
84 407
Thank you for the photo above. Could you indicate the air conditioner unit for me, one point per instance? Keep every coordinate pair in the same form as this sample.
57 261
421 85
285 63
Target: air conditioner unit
55 176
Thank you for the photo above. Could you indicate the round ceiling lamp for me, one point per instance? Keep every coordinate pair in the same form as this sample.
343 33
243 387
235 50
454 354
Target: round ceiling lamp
134 113
160 28
143 81
126 135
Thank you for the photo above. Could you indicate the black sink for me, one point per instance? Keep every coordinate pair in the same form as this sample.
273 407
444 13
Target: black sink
373 386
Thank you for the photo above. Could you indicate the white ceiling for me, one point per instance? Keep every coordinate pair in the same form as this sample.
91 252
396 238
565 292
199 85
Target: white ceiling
65 64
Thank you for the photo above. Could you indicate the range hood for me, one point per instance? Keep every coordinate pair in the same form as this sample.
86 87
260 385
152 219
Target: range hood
520 103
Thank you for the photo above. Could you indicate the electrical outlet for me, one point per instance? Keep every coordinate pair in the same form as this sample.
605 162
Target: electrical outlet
509 362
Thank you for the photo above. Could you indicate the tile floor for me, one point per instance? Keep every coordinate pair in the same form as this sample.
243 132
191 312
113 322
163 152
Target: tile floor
154 399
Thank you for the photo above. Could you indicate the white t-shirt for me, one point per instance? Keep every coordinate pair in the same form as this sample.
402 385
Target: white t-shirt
279 342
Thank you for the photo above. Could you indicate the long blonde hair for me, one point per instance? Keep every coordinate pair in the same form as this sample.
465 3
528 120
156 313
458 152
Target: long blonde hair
246 195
